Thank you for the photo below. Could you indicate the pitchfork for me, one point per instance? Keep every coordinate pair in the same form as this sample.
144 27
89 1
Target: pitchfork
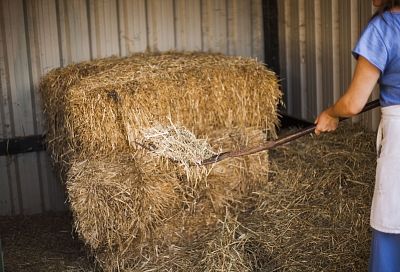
280 141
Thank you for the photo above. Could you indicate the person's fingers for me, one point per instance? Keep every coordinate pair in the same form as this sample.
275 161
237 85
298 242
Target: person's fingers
316 120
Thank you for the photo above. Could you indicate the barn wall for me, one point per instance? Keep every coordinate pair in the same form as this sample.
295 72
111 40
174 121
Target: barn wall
39 35
315 42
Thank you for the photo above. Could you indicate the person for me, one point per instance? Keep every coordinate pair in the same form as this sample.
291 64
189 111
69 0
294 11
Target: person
378 61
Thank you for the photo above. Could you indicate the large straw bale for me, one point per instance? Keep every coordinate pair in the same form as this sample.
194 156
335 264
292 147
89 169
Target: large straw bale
129 203
117 202
234 178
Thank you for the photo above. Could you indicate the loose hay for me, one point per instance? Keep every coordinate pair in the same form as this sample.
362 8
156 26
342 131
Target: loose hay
179 145
314 213
117 203
311 215
225 250
130 207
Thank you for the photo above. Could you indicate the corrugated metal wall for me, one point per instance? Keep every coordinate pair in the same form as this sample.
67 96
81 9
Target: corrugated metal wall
38 35
316 38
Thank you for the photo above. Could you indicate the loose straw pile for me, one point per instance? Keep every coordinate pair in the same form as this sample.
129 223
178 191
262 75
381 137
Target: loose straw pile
314 213
181 146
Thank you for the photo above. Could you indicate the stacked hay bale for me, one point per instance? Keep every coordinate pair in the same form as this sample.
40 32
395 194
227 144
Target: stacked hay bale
130 205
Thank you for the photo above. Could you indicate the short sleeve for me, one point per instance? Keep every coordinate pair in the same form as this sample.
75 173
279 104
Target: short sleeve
372 47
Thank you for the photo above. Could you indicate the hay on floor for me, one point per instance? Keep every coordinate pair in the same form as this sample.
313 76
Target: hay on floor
314 213
311 215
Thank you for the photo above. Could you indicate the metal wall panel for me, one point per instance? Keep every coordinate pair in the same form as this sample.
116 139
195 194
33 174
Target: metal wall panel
73 31
316 38
133 26
20 105
188 25
257 30
29 48
239 27
39 35
214 25
161 28
104 28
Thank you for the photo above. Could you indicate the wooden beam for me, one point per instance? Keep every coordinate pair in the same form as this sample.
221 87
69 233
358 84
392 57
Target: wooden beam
18 145
271 36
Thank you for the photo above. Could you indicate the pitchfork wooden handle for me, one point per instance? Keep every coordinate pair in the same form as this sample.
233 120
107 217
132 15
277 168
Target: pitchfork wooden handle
278 142
369 106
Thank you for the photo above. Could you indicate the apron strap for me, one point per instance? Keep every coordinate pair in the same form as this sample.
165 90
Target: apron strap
379 138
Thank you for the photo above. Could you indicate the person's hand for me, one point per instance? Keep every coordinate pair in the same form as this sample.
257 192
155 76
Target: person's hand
326 122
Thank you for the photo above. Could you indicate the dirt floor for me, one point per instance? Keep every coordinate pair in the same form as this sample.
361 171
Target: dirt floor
42 243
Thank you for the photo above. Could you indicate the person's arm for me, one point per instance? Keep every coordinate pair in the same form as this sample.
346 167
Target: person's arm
365 77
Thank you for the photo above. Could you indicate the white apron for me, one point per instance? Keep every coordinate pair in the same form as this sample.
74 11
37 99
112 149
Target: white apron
385 210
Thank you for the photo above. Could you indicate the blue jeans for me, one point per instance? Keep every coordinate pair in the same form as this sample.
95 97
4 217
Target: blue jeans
385 252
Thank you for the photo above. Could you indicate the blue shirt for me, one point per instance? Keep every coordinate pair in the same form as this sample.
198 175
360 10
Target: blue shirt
380 45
